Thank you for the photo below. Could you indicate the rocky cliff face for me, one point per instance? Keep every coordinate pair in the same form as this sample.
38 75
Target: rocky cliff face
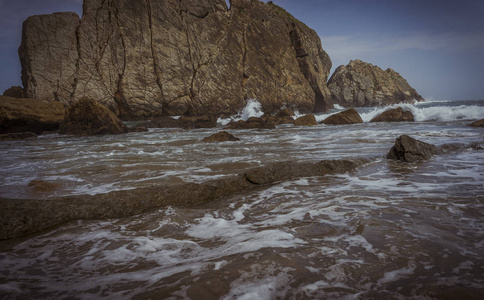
144 58
362 84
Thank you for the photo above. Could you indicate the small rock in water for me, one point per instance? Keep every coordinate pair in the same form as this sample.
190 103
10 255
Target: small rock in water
88 117
308 120
479 123
350 116
394 115
278 119
251 123
186 122
138 128
410 150
222 136
286 112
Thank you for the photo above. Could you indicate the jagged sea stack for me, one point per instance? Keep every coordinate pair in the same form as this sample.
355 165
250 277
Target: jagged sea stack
149 58
360 84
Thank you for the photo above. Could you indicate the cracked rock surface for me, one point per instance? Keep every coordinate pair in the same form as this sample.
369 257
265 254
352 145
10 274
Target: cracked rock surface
146 58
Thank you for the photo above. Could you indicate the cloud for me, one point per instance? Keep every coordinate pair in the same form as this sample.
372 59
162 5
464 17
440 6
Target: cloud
356 46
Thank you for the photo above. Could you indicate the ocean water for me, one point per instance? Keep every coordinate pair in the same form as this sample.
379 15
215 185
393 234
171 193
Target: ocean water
387 230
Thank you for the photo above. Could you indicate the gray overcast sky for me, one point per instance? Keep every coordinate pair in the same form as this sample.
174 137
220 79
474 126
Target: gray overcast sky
437 45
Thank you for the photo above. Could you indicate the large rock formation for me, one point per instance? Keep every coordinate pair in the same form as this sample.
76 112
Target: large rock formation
362 84
20 115
150 58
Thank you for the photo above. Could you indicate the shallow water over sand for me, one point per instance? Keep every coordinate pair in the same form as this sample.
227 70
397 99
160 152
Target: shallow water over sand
385 231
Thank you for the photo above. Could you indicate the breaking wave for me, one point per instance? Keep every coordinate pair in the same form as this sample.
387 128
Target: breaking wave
434 111
443 110
253 108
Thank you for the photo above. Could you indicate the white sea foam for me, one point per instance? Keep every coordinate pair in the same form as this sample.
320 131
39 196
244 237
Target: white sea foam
274 285
253 108
396 274
432 113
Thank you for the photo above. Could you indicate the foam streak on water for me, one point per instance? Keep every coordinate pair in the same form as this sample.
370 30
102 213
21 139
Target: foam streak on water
387 230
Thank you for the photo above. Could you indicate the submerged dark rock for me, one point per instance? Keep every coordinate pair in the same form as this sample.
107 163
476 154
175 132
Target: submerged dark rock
21 217
162 122
410 150
222 136
308 120
204 121
29 115
88 117
252 123
283 117
350 116
17 136
43 186
286 112
184 122
138 128
479 123
394 115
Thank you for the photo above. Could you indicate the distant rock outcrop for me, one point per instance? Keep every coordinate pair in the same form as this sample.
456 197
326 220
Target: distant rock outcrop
88 117
350 116
394 115
22 115
144 59
361 84
410 150
14 92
